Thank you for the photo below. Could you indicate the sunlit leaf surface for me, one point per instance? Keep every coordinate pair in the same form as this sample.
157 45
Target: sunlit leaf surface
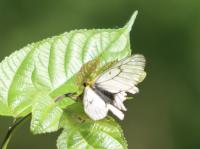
33 77
81 132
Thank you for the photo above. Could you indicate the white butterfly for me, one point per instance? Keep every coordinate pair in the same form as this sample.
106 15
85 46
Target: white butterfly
109 90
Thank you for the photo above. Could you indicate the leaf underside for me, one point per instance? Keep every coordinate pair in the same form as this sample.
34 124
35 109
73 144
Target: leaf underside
32 77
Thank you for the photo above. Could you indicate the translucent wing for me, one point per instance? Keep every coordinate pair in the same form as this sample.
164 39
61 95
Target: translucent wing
96 107
123 76
119 98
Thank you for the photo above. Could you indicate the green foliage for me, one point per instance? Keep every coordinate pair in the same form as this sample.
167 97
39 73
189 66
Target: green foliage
32 78
81 132
45 116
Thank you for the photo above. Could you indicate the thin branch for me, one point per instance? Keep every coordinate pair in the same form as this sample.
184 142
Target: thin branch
11 130
17 123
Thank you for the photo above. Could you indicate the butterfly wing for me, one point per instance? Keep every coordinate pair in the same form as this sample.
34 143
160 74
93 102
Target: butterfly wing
119 98
123 76
119 79
96 107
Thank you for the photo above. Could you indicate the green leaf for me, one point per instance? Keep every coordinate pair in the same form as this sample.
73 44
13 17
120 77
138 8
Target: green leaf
46 116
32 78
81 132
46 66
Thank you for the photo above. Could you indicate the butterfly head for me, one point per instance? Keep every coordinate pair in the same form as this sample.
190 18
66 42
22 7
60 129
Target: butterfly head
88 82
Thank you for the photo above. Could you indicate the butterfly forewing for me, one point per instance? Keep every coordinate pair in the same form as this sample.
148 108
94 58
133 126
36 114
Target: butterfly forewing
94 106
107 76
97 107
124 75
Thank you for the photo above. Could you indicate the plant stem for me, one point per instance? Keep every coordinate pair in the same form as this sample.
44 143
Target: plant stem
11 130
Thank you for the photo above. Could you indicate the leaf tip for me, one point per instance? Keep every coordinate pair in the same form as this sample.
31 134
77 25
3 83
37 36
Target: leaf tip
129 24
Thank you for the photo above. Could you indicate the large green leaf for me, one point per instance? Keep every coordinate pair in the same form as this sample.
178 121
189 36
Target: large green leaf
45 67
34 78
46 115
81 132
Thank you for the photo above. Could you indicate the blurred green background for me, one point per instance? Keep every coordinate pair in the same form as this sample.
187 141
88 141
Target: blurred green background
166 113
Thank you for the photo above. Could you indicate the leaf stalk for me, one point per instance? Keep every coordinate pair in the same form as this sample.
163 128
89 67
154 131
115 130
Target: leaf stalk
11 129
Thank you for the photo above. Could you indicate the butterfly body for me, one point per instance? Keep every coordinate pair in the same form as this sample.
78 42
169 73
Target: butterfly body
109 90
